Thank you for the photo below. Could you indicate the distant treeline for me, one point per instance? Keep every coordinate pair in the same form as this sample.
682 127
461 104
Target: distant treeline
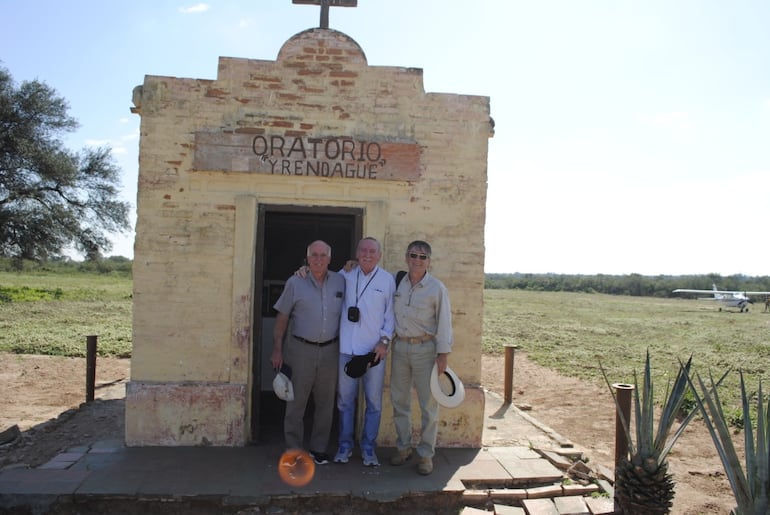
117 265
634 284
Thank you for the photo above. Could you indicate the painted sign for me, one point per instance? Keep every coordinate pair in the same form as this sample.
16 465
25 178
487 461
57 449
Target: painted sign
334 157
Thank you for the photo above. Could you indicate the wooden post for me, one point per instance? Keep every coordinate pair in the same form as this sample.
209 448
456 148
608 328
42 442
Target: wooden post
90 367
623 393
509 357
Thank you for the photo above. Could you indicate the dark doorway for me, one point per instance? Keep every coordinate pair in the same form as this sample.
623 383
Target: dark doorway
284 234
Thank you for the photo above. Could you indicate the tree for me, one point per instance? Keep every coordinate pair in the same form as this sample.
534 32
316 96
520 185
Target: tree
51 198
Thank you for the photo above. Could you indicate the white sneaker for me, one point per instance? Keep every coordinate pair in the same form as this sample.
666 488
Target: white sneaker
370 459
343 455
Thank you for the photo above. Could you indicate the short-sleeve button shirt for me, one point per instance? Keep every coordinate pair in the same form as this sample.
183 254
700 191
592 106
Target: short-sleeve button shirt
313 308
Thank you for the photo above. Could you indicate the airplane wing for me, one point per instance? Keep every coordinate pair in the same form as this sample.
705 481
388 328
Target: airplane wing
722 292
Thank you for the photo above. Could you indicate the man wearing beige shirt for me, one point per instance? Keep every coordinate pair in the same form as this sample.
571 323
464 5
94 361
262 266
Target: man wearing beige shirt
423 339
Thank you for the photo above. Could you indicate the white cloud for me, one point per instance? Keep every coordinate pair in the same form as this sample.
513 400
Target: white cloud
549 217
673 120
676 123
245 23
195 9
130 137
97 142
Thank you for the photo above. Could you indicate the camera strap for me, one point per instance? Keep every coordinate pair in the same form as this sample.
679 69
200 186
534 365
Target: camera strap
358 276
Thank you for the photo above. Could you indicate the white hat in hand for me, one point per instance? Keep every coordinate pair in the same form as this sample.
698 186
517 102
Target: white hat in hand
456 390
282 384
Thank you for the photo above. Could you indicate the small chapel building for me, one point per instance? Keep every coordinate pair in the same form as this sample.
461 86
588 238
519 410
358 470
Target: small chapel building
237 175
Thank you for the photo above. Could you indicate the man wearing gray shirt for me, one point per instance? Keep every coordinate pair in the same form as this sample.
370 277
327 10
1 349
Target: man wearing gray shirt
311 306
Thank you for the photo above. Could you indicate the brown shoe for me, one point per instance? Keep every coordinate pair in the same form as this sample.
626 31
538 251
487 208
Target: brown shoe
425 466
401 457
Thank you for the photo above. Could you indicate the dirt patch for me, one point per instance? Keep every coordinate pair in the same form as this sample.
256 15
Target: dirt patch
585 414
45 397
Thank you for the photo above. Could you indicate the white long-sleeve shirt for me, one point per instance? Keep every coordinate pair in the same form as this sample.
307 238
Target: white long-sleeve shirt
373 294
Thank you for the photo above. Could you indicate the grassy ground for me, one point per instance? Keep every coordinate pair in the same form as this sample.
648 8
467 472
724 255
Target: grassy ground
52 313
574 333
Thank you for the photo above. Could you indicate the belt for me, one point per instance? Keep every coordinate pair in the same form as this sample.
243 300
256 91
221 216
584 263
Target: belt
320 344
415 339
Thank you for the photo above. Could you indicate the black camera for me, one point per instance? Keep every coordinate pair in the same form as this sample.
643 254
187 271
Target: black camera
354 314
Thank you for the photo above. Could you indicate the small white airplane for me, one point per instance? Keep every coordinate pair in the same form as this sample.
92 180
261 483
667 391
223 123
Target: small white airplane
728 298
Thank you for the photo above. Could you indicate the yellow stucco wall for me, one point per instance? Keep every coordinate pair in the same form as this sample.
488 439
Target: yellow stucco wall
196 229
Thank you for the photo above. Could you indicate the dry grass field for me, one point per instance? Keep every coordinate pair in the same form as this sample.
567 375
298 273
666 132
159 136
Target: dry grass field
562 339
575 333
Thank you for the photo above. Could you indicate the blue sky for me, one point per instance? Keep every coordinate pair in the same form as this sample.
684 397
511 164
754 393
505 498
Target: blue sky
631 137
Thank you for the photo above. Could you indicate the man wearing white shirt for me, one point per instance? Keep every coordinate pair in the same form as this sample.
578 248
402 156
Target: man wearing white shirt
366 326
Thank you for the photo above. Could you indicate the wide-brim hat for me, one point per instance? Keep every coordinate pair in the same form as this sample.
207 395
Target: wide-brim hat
358 365
282 385
450 399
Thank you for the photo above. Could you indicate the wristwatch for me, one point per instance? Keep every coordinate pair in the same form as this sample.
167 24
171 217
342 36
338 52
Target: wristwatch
384 340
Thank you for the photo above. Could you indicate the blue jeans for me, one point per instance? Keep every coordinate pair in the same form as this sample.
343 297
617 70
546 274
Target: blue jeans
347 394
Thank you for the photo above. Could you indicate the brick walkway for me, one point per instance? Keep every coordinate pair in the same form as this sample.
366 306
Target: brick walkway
520 470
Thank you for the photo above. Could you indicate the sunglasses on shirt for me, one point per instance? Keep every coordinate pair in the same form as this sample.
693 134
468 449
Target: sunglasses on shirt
414 255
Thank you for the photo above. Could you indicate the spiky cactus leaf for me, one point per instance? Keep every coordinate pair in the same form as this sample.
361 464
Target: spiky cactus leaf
672 407
643 484
716 423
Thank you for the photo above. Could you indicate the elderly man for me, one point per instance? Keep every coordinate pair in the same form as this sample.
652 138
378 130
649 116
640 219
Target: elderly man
423 339
366 326
313 305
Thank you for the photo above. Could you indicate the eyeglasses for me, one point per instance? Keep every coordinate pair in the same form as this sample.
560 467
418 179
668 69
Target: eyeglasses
422 257
316 255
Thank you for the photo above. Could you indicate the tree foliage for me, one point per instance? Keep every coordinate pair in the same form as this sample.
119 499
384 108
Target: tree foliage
52 198
112 265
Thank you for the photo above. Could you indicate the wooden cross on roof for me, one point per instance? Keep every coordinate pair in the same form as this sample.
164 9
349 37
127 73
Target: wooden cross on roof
325 4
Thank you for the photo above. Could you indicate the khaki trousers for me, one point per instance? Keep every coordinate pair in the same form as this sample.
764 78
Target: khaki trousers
411 366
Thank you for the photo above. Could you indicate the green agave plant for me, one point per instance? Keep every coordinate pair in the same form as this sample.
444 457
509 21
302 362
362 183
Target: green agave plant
642 482
752 488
